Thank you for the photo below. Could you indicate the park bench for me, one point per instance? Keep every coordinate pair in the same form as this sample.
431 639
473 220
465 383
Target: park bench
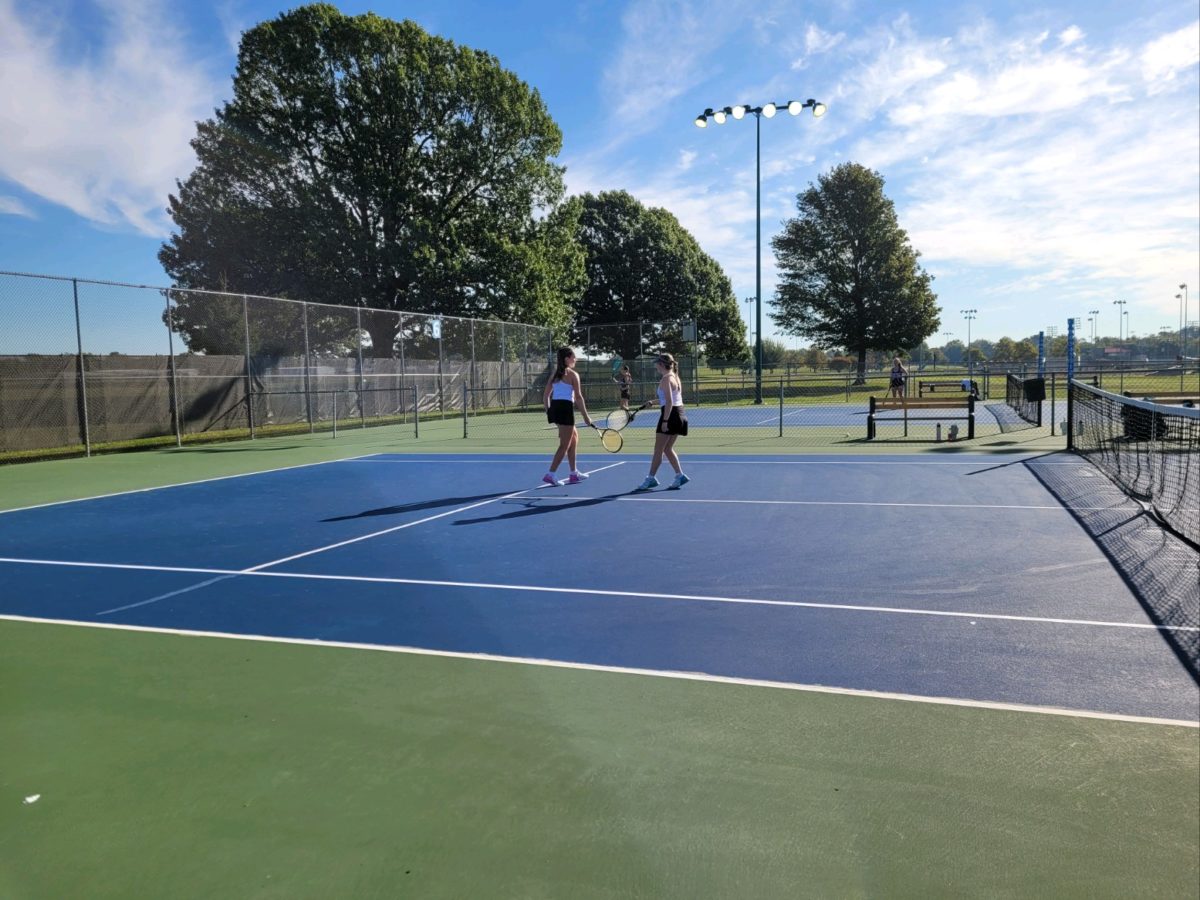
930 387
904 405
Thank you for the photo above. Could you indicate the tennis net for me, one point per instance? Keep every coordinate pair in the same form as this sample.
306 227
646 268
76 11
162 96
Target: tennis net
1150 450
1015 397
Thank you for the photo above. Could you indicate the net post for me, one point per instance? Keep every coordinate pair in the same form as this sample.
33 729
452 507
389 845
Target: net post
1070 418
171 368
87 437
971 416
249 374
1053 401
464 407
871 418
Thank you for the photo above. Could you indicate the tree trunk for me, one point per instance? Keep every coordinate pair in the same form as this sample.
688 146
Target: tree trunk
860 376
382 327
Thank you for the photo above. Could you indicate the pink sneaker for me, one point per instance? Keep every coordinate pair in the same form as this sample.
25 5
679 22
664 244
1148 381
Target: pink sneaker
550 480
576 478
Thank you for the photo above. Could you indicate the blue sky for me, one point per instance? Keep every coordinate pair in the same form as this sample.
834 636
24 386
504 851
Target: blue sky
1044 160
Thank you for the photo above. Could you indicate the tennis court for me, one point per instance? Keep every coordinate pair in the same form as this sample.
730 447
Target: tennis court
348 668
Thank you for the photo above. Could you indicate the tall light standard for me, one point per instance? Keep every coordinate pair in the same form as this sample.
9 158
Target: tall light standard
1182 345
795 107
969 314
948 334
1093 313
1120 303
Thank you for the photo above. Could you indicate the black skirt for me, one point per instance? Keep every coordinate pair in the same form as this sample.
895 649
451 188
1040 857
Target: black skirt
561 412
677 422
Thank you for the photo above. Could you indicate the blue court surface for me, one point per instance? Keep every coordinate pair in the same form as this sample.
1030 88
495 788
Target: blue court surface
957 577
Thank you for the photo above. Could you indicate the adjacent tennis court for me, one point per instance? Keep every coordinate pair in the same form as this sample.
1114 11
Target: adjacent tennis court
335 668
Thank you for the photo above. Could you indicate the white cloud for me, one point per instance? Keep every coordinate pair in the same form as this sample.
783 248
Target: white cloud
816 42
104 133
1069 36
686 158
11 206
1171 54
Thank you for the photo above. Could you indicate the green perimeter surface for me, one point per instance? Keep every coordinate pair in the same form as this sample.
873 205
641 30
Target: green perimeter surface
178 766
27 484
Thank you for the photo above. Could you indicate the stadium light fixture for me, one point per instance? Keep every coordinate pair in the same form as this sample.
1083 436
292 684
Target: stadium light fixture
969 315
767 110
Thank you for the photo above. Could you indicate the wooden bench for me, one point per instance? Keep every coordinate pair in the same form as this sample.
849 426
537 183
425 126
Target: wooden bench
904 404
1168 397
924 387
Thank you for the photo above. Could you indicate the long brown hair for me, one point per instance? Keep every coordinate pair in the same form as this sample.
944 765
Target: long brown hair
668 362
564 353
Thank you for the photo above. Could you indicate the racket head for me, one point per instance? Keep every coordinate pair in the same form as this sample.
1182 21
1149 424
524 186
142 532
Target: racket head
611 440
616 364
617 419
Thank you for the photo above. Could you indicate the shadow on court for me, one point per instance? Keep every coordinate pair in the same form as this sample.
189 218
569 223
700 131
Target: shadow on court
417 507
537 506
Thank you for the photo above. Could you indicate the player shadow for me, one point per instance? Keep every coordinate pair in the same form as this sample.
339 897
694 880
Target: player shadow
416 507
534 507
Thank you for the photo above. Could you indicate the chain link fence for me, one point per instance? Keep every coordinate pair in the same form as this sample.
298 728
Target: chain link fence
88 365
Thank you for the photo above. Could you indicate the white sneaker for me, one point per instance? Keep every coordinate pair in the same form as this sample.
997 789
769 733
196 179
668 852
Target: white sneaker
549 479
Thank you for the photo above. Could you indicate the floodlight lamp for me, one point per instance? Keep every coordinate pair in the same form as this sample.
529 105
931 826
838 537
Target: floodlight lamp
738 111
768 110
817 108
794 107
701 122
719 116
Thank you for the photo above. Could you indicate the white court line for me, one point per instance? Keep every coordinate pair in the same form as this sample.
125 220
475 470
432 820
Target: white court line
595 592
169 594
644 499
384 531
626 670
163 487
694 460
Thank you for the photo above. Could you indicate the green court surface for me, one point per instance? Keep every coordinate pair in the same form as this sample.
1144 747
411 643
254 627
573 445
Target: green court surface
182 766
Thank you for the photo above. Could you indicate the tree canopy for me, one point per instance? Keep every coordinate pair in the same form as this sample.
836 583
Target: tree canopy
364 162
642 265
848 274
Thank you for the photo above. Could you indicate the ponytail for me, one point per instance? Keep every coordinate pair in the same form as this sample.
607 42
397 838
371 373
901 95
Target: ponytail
669 363
564 353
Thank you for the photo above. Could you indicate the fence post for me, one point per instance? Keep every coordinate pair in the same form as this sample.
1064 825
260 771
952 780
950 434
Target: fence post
503 370
416 413
249 375
362 384
87 437
474 375
441 371
335 393
307 377
464 392
781 407
171 369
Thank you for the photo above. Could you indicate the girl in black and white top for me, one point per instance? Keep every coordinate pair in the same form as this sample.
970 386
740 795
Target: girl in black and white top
672 423
563 393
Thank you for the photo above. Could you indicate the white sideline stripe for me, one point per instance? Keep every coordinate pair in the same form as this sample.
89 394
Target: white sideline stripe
701 598
625 670
384 531
169 594
644 499
163 487
693 461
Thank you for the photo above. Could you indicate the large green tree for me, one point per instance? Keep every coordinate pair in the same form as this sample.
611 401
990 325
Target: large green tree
643 266
848 275
364 162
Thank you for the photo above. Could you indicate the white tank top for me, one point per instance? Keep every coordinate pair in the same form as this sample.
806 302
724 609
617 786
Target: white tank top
562 390
676 397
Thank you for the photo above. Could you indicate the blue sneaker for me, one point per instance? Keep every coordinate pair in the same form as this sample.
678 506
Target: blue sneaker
680 481
648 485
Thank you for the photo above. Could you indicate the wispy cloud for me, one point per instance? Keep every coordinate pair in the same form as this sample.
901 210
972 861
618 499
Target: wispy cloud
11 206
72 134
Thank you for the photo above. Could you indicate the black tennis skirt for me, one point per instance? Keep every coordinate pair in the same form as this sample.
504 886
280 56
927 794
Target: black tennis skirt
677 422
561 412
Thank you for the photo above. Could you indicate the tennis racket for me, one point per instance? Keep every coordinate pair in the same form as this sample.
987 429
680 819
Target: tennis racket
610 439
619 418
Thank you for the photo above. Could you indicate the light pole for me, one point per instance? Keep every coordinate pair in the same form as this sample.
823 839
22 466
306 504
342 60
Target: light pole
795 107
1182 345
969 314
1093 313
948 334
1120 303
